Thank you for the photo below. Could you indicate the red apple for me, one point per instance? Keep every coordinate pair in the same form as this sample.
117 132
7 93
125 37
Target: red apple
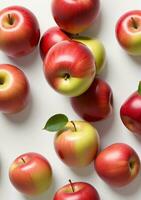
14 89
118 164
51 36
130 112
96 103
19 31
77 191
128 32
76 15
69 68
31 174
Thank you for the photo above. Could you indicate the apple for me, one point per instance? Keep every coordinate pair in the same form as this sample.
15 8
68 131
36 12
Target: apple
75 16
97 50
31 174
77 191
128 32
69 68
96 103
19 31
130 112
50 37
77 143
118 164
14 89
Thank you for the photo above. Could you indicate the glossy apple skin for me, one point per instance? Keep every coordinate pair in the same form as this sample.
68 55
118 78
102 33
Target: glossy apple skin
14 92
130 113
20 38
69 58
75 16
97 49
77 148
118 164
129 36
51 37
31 174
96 103
83 191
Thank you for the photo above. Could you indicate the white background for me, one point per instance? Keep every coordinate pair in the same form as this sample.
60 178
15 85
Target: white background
23 133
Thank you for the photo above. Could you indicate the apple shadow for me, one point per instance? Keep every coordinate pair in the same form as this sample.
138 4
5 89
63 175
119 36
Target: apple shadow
26 61
84 172
94 29
130 189
136 59
104 73
47 195
23 115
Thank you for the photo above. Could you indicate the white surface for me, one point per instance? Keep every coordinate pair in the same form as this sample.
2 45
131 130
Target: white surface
23 133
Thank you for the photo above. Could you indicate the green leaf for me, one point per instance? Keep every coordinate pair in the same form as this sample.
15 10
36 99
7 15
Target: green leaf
56 123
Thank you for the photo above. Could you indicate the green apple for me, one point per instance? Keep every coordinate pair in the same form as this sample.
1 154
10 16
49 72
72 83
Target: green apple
97 50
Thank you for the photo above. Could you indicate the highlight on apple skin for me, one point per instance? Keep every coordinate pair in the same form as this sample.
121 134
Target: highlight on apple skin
77 143
118 164
97 49
31 174
19 31
130 112
128 32
96 103
75 16
51 37
77 191
69 68
14 89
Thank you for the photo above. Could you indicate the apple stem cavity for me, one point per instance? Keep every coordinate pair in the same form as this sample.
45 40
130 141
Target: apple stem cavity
71 184
135 25
139 88
131 164
11 21
74 125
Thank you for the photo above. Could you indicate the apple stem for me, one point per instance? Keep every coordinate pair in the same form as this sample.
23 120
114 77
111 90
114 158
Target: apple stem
10 19
134 23
67 76
23 160
74 125
71 184
139 88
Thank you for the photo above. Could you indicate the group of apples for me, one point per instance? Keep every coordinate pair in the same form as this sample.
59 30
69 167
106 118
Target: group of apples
71 63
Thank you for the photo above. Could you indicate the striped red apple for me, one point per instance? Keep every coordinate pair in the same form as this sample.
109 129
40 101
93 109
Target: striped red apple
30 174
14 89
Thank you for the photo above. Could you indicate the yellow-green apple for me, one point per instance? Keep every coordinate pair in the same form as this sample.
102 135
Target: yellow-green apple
19 31
96 103
77 191
31 174
14 89
97 50
130 112
69 68
50 37
76 142
118 164
75 16
128 32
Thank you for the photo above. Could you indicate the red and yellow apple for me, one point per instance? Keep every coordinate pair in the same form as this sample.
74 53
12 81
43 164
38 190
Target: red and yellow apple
14 89
31 174
19 31
96 103
128 32
77 191
118 164
75 16
51 37
77 143
97 49
69 68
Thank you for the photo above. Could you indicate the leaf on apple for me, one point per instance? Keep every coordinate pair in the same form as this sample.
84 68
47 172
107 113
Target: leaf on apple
56 123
